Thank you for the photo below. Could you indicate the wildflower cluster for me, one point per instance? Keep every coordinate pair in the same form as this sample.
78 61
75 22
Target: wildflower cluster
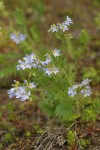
17 38
61 26
31 61
82 88
22 92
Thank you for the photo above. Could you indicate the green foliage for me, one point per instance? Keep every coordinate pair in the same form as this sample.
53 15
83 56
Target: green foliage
78 45
10 107
38 129
84 39
65 111
89 115
56 103
8 137
8 69
28 133
2 9
20 20
91 111
74 141
84 143
96 105
97 21
91 72
35 34
38 9
71 138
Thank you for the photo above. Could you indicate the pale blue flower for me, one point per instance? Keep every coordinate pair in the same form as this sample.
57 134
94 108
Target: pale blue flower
48 71
75 86
71 91
32 85
63 27
47 61
86 81
11 92
68 21
21 65
22 37
30 57
44 63
56 52
22 93
55 70
17 38
54 28
86 92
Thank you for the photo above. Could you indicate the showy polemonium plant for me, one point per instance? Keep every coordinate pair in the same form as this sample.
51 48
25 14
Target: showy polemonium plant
17 38
54 78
